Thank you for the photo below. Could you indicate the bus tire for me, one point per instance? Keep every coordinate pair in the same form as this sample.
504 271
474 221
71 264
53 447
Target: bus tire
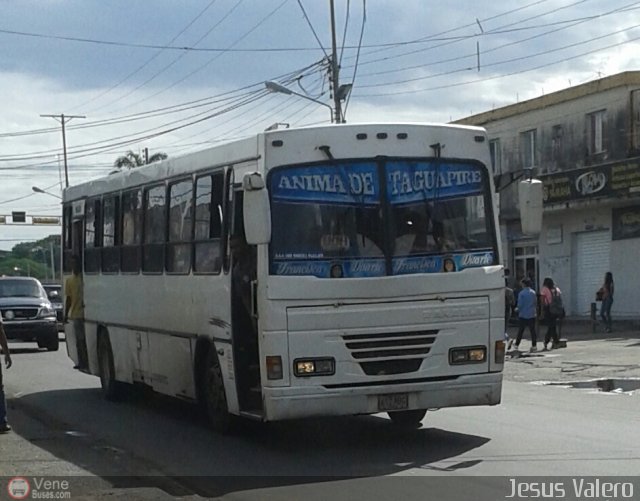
111 389
214 396
408 419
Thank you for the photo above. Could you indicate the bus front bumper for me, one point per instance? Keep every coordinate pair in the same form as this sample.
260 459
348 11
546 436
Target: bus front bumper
299 402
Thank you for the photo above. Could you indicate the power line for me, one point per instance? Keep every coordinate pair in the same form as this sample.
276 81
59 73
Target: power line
355 68
304 12
174 61
480 80
520 58
140 68
310 69
203 66
454 40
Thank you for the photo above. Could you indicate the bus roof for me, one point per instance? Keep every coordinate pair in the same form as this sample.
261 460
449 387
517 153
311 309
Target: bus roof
237 152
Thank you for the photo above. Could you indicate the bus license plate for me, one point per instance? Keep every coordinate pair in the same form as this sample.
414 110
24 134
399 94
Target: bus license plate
393 402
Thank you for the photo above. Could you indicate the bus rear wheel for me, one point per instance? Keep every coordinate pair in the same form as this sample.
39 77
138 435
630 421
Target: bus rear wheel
408 419
111 389
215 398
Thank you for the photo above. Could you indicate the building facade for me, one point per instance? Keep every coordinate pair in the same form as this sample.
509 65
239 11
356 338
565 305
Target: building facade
584 144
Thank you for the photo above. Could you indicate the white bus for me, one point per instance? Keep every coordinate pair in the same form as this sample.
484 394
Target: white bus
372 282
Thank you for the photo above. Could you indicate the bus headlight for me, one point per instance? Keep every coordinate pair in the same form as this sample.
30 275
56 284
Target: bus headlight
314 367
467 355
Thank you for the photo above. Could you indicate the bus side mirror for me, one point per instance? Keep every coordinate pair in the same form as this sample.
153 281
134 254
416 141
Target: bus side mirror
530 198
256 209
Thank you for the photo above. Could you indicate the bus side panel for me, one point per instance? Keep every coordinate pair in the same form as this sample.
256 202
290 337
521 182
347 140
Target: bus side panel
72 346
126 352
227 366
171 369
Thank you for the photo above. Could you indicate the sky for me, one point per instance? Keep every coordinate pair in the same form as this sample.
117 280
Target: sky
178 77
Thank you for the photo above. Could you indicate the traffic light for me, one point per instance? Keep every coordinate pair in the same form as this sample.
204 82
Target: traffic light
18 217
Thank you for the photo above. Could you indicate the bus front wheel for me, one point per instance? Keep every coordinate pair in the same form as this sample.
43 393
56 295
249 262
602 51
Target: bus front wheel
408 419
215 398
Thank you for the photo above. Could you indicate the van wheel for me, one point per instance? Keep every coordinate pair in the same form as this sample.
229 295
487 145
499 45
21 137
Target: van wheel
408 419
111 389
53 343
214 396
50 342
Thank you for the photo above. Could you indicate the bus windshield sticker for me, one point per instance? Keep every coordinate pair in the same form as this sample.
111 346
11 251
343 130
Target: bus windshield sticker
415 181
441 263
343 183
362 268
348 268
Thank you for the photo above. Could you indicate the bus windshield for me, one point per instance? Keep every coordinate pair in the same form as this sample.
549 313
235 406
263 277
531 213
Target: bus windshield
337 220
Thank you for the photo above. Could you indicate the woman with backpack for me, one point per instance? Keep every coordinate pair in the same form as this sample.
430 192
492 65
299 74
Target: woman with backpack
553 310
606 293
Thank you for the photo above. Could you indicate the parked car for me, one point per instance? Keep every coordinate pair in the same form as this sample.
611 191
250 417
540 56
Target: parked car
54 293
27 313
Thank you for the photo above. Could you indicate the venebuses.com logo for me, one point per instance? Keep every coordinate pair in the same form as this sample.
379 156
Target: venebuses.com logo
18 488
38 488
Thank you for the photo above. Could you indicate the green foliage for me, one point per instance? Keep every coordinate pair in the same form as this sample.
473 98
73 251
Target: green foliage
32 259
131 160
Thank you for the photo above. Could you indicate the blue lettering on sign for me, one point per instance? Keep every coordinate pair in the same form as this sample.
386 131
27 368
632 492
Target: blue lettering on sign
348 183
411 265
358 183
412 182
471 260
351 268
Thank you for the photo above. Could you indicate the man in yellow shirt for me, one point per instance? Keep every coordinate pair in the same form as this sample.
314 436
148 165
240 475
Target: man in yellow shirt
74 310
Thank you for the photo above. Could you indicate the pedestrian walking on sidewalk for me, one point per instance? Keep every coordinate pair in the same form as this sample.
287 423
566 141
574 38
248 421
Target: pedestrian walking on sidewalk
606 292
4 425
553 310
527 302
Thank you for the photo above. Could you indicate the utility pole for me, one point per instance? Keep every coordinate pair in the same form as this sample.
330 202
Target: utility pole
335 77
53 262
63 119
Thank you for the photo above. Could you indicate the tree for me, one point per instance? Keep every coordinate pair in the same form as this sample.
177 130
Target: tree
131 159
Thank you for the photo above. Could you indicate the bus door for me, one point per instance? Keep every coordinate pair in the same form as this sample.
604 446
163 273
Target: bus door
73 245
243 313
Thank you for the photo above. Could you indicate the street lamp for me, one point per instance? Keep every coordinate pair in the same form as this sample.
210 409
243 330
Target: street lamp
276 87
40 190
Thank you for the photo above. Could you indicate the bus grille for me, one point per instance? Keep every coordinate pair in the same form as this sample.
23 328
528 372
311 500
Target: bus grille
390 352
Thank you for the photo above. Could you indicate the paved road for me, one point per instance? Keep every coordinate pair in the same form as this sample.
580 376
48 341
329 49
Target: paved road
538 430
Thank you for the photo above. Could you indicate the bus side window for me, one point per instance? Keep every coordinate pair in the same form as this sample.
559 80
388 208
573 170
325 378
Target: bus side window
131 230
92 236
154 229
178 251
110 251
208 223
67 241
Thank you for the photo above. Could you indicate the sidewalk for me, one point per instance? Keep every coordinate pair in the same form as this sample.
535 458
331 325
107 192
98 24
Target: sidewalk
589 355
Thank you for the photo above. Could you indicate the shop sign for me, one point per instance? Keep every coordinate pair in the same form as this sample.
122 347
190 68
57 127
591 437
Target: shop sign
614 179
626 223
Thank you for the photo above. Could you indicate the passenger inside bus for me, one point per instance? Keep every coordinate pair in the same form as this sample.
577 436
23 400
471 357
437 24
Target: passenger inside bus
414 235
243 274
